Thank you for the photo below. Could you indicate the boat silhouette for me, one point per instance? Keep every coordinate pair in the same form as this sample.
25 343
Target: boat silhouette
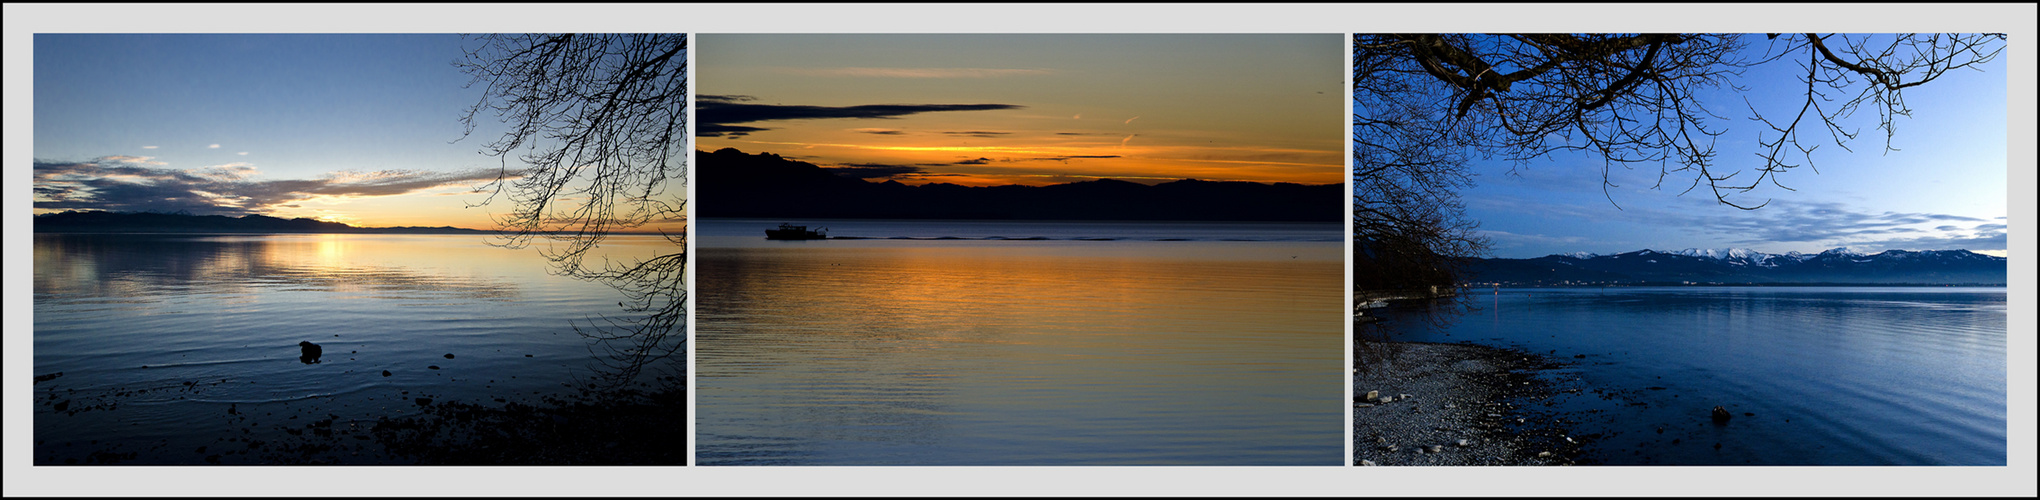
793 232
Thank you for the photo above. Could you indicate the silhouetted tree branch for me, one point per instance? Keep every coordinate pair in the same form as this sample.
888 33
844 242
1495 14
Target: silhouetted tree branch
1426 104
1635 98
597 128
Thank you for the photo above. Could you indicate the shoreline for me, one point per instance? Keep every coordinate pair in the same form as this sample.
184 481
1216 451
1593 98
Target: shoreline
1457 405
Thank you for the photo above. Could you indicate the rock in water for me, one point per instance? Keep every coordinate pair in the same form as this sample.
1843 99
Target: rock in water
1372 395
1721 415
308 352
449 355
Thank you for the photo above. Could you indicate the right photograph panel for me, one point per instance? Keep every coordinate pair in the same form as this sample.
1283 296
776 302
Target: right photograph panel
1679 249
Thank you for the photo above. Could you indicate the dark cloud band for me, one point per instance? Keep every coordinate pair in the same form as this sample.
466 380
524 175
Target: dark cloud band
719 112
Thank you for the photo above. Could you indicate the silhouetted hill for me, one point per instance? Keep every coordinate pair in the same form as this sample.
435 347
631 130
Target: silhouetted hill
151 222
1742 266
732 183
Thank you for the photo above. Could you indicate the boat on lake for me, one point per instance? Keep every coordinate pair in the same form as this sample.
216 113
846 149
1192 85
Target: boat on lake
793 232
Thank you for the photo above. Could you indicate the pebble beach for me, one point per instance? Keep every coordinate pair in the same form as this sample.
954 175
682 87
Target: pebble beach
1455 405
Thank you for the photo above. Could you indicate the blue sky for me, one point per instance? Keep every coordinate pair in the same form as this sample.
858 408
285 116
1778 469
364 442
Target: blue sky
349 128
360 129
1945 187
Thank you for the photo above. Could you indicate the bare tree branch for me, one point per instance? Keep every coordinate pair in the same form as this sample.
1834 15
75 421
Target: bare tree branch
597 129
1427 103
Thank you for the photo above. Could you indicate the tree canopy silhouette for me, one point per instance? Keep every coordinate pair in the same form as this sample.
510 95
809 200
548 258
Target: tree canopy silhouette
595 144
1426 104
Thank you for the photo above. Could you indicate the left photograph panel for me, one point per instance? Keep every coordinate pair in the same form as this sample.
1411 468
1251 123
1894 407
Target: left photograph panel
360 249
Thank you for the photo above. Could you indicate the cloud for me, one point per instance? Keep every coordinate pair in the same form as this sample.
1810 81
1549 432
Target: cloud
1784 225
917 72
975 161
873 170
1811 222
980 133
243 153
719 114
712 130
1129 121
215 146
1504 240
879 131
123 183
1062 158
148 147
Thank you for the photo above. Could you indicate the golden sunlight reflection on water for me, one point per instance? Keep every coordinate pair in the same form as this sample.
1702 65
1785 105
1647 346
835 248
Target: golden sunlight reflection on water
1154 352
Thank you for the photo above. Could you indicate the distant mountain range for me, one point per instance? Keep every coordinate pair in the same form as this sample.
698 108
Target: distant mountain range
731 183
152 222
1744 266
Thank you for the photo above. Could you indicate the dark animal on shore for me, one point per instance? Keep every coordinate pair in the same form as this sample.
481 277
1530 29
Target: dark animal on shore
309 352
1721 415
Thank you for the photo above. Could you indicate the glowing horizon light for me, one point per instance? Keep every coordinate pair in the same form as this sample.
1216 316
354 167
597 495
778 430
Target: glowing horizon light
980 110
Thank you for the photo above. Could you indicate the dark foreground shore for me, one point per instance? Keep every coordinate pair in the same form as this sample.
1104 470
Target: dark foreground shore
634 426
1456 404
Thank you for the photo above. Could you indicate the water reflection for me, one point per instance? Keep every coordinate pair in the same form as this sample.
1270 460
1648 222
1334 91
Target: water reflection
121 266
1810 375
178 349
1038 352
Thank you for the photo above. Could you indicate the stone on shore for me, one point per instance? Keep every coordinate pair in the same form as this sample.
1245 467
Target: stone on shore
1470 390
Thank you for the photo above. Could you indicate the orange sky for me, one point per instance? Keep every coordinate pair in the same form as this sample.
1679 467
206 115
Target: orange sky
1143 108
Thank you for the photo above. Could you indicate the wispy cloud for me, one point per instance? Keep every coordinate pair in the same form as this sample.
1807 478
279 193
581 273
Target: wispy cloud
148 147
1504 240
128 183
916 72
1781 226
215 146
873 170
980 133
1063 158
879 131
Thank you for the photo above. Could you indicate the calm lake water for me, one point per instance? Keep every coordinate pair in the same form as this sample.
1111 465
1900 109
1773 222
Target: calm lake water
1172 343
1833 375
184 348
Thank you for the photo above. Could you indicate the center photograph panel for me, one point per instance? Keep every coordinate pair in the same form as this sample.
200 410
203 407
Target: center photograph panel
1020 250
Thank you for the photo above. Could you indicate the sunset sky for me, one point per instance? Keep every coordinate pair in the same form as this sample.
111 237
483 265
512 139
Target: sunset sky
1030 109
357 129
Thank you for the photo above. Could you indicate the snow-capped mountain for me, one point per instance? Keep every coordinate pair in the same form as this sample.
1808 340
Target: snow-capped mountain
1736 256
1742 265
